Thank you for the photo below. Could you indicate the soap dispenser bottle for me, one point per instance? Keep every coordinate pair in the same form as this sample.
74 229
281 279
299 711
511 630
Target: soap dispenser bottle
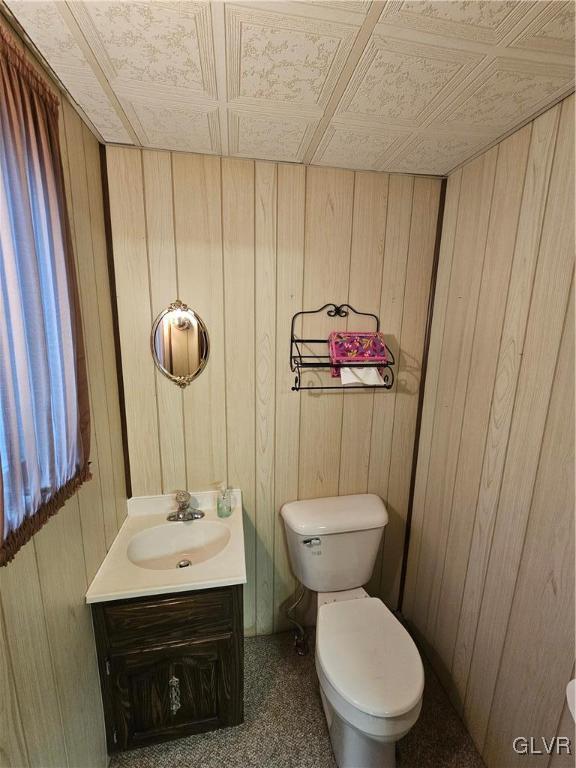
224 501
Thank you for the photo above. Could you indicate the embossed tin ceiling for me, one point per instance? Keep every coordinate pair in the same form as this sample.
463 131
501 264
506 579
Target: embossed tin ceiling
414 87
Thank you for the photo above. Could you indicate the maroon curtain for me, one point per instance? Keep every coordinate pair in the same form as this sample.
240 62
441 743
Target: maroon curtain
44 406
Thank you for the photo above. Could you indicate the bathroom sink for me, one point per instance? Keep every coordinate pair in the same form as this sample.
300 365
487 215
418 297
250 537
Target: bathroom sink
145 556
178 544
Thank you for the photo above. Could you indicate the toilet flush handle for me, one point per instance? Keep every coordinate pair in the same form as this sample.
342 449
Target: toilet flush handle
314 542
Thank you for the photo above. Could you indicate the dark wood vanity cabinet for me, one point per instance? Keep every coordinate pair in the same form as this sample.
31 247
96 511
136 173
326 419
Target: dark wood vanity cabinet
170 665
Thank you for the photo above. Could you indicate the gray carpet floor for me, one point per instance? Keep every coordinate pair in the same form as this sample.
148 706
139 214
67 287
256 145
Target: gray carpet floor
284 724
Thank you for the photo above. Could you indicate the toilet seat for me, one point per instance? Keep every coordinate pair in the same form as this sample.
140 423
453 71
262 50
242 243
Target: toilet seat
369 667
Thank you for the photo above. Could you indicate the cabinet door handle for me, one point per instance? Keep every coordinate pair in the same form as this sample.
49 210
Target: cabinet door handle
174 685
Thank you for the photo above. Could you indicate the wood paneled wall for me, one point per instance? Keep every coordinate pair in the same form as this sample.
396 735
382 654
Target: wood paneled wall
50 710
490 585
248 244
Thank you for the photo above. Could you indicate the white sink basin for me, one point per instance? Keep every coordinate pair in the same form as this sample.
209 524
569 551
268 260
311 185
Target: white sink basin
144 556
178 544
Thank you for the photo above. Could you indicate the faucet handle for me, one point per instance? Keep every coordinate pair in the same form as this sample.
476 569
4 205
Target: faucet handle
183 498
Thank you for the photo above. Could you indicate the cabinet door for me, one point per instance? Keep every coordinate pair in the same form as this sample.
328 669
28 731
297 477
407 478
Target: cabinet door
167 692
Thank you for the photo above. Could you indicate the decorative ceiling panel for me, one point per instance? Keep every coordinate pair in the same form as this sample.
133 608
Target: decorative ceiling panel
178 126
430 152
357 147
269 136
552 30
401 82
485 21
506 92
274 57
165 43
416 86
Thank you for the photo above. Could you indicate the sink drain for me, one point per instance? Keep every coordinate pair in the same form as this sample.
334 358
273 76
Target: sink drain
183 564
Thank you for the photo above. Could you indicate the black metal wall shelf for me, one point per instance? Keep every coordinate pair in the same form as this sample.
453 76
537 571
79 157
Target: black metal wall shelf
300 362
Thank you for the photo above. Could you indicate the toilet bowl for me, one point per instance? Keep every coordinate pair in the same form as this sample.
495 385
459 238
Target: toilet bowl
371 680
369 669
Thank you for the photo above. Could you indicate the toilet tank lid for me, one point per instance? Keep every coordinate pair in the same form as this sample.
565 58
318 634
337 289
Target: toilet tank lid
336 514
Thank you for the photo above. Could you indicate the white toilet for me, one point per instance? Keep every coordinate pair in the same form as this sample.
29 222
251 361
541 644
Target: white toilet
370 672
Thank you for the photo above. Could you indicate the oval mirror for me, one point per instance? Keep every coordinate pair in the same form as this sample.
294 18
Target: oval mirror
180 344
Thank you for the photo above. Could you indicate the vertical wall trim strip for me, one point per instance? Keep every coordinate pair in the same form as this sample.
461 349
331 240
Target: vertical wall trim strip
429 319
114 305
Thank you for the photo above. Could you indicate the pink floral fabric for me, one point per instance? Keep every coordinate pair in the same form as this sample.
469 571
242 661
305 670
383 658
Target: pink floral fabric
355 348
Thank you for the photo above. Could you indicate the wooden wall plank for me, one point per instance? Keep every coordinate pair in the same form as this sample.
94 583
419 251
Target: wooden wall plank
425 203
134 317
509 357
90 520
366 264
29 652
159 208
504 213
329 204
563 759
396 245
105 319
545 321
201 283
90 494
266 191
70 638
549 631
432 376
469 248
13 752
289 281
238 244
91 325
492 593
398 219
63 603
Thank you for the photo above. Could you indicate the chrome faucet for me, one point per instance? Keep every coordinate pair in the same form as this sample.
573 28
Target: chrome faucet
185 512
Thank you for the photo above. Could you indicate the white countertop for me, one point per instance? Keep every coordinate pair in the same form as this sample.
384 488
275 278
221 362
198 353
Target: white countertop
118 577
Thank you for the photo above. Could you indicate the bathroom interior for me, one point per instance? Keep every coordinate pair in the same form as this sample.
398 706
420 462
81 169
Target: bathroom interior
287 384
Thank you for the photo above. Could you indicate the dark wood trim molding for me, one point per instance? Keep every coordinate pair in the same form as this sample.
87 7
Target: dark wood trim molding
114 304
431 299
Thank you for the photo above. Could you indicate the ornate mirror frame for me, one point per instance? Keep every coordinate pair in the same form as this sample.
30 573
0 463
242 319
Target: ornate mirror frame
181 381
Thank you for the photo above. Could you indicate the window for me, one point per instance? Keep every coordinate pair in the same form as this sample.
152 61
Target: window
44 413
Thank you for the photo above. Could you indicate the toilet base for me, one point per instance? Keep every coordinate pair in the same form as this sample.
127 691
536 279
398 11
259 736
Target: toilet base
354 749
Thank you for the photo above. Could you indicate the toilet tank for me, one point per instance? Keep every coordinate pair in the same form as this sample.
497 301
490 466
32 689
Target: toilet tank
333 542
